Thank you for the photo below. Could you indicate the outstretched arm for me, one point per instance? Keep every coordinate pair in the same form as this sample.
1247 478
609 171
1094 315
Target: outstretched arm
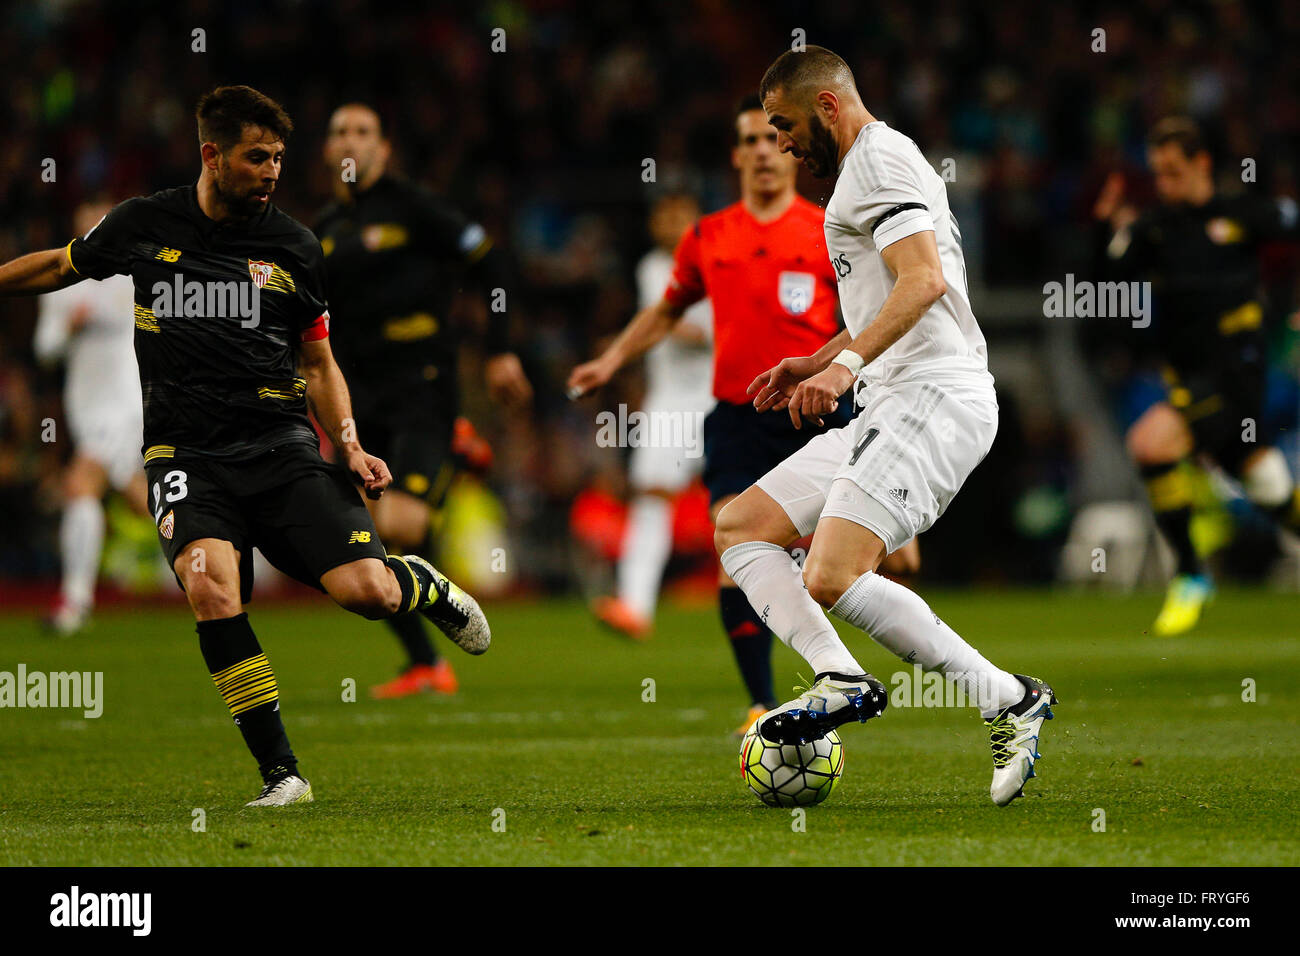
327 394
38 272
647 328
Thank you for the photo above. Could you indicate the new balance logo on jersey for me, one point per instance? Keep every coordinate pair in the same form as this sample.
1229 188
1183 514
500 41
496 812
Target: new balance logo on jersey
359 537
899 495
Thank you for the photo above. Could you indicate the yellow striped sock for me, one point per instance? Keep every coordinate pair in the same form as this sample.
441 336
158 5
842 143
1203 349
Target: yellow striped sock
1170 490
246 685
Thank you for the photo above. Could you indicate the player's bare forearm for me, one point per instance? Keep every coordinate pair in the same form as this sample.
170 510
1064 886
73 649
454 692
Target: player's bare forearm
646 330
327 393
908 301
691 336
918 284
822 357
37 272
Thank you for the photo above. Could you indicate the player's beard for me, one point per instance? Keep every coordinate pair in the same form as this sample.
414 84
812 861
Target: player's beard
241 205
822 155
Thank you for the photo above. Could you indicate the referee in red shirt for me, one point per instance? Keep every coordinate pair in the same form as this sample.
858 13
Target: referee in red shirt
763 263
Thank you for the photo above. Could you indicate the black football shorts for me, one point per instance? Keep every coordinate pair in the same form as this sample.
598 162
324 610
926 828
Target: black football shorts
1217 405
304 515
742 445
420 458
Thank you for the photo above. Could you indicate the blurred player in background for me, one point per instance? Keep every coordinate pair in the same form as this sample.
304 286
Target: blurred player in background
913 350
1200 251
90 327
395 255
679 379
762 262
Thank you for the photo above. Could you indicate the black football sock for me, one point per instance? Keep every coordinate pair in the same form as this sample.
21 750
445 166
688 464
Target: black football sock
751 642
411 579
1170 491
246 683
410 628
412 632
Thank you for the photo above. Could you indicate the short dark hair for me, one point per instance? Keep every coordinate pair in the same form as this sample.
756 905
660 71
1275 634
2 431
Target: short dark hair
367 105
812 66
1181 131
745 104
223 113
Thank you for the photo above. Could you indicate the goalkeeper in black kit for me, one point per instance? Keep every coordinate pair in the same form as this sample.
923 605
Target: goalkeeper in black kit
1200 252
395 256
228 367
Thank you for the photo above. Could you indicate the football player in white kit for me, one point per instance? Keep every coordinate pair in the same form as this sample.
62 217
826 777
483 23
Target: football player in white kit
929 415
679 380
90 327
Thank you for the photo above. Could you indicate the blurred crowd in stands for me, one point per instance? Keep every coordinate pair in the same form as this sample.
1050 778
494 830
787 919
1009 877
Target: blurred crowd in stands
544 141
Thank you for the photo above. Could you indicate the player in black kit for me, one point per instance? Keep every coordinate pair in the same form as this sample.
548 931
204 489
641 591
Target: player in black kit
395 255
1200 252
232 338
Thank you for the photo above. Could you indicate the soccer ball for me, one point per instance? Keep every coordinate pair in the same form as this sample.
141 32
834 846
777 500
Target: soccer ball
790 775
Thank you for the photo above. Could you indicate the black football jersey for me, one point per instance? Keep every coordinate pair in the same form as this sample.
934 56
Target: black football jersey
395 255
220 310
1203 266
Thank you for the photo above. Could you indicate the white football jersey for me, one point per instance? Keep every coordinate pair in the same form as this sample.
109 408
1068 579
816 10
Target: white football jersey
677 374
102 379
886 192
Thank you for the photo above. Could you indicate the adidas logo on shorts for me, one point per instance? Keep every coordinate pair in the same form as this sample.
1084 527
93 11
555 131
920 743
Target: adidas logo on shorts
899 495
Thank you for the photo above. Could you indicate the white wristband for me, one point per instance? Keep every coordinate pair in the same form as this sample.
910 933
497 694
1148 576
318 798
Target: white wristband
850 359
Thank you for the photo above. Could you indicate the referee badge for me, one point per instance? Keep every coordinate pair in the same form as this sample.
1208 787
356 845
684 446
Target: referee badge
795 291
168 525
260 271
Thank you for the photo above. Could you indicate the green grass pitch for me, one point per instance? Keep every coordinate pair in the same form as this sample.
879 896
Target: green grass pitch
551 737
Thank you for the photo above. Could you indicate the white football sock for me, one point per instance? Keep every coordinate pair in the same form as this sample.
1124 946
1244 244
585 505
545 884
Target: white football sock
81 536
647 545
899 620
774 585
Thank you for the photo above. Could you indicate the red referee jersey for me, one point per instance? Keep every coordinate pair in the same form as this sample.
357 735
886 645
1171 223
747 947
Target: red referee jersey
771 284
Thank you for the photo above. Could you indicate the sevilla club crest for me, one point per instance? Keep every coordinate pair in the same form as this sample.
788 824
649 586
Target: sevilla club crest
260 271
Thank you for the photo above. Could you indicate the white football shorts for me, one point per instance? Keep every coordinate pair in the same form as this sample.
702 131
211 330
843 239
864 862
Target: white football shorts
893 469
112 436
674 453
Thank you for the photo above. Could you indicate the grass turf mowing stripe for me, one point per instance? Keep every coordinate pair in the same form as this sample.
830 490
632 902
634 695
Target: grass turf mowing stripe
551 727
